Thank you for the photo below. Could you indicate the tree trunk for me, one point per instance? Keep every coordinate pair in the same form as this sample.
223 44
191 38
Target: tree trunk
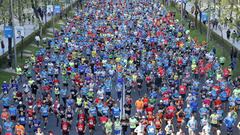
200 21
196 12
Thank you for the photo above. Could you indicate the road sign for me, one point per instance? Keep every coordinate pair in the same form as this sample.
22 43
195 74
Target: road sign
204 16
57 9
8 31
19 30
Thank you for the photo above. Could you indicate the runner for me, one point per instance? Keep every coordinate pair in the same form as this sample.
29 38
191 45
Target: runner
80 127
108 127
19 129
65 125
44 112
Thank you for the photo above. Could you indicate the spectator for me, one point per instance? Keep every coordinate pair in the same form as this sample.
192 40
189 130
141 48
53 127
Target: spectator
228 33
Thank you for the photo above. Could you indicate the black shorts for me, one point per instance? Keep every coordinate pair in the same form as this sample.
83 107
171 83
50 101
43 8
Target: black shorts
13 118
45 117
229 129
69 118
215 125
80 133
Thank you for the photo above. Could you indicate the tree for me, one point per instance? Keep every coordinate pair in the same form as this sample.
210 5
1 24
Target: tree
197 12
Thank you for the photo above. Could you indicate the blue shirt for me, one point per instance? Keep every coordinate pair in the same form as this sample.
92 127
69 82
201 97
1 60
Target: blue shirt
22 119
5 87
151 130
70 102
44 110
229 122
36 124
8 126
12 111
6 101
194 105
105 110
203 111
116 111
100 106
188 112
93 111
223 96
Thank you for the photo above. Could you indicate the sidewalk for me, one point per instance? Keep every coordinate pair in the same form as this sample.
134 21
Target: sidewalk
224 29
28 30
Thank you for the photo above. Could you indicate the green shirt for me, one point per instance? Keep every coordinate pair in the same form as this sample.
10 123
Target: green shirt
133 122
236 92
108 126
214 119
117 125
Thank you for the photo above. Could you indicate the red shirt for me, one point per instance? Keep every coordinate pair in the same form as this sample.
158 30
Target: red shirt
103 119
202 70
171 109
81 116
148 78
150 118
145 101
30 112
182 89
169 116
91 122
226 72
97 100
30 103
80 126
158 124
55 81
69 69
217 103
149 110
65 126
180 62
161 71
165 100
228 91
39 103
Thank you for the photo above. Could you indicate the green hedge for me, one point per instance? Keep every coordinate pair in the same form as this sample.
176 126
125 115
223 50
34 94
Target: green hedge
29 39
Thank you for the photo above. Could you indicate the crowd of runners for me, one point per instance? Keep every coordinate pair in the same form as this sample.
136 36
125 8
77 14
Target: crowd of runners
75 84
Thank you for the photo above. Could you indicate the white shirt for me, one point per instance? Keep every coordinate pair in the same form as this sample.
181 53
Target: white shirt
207 129
100 94
139 130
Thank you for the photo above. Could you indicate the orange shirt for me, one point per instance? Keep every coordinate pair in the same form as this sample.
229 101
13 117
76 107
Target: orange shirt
5 115
139 104
19 130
